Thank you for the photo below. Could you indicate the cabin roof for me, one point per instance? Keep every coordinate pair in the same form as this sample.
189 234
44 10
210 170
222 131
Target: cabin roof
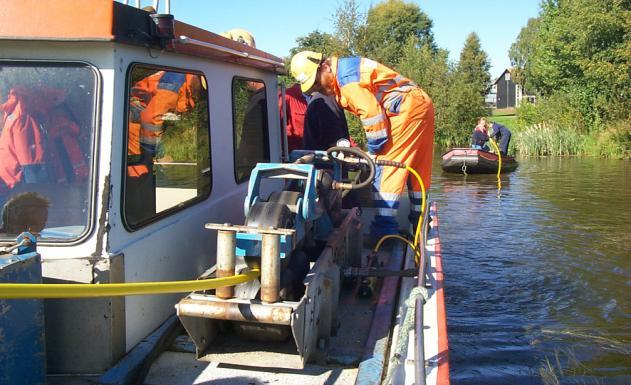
107 20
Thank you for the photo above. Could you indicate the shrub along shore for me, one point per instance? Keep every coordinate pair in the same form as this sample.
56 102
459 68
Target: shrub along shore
555 139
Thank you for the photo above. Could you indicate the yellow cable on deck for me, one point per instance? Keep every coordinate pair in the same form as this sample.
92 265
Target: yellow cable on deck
499 165
87 290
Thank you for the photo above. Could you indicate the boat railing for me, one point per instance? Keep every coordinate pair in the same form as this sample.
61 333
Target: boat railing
419 353
413 303
188 40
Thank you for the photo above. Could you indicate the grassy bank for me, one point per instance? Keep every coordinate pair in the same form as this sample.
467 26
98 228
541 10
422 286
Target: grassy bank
545 139
509 121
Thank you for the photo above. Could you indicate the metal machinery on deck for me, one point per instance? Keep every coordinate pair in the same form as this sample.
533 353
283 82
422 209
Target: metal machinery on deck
22 346
301 239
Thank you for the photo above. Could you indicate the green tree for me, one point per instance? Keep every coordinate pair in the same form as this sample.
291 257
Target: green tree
473 67
465 106
583 48
429 68
521 51
319 42
389 25
349 24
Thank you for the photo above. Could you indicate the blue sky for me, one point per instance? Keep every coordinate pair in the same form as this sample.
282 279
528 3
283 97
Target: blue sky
276 24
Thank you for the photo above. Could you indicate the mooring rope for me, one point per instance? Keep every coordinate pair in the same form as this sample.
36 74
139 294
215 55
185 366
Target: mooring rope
404 332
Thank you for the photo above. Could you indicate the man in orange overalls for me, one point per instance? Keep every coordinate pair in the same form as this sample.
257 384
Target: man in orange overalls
151 99
397 116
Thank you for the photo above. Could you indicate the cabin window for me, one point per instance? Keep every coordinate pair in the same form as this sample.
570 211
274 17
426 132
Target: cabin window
168 149
47 128
251 139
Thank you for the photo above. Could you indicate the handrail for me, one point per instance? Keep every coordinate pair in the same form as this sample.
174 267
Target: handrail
419 347
416 300
189 40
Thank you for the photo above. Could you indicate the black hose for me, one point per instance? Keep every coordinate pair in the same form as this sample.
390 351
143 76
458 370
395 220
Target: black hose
360 154
391 163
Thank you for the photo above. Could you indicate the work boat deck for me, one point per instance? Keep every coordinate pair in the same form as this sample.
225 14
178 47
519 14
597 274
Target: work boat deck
367 338
118 212
371 331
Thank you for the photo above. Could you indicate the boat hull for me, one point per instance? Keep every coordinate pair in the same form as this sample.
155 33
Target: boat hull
473 161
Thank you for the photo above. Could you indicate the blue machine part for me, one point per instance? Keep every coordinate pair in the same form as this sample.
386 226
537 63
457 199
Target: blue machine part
307 174
289 171
29 243
250 244
22 345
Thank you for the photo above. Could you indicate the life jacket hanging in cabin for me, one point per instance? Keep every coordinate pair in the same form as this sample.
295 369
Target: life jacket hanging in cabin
39 141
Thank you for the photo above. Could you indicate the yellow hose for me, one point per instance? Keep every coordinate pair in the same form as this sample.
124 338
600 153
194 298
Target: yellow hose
414 246
417 254
420 219
499 165
73 290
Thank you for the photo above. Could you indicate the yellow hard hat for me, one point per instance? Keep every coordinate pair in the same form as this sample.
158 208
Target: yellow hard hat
304 67
240 35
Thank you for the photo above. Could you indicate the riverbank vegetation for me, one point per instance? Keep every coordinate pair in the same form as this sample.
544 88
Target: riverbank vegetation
575 57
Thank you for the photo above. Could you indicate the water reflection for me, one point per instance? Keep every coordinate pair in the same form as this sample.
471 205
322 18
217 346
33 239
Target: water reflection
538 279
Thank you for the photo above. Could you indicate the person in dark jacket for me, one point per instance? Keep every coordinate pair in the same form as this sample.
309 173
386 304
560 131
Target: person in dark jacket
480 136
325 123
502 135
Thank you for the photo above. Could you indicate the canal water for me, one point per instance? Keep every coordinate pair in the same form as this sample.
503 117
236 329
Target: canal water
538 280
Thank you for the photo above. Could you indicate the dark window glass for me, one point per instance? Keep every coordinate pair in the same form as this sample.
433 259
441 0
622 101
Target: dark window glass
168 151
47 128
251 143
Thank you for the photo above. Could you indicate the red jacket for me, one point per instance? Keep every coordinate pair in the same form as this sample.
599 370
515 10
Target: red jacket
22 142
296 105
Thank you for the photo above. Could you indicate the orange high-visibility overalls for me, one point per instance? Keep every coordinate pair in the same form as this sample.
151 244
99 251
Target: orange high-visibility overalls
398 118
150 99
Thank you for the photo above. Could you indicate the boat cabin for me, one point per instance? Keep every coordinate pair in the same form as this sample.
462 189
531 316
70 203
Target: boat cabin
122 134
